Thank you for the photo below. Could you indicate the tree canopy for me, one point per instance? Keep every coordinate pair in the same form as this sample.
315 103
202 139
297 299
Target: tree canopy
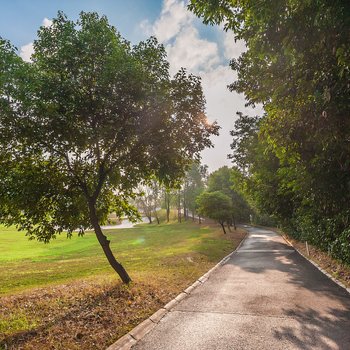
86 121
296 159
215 205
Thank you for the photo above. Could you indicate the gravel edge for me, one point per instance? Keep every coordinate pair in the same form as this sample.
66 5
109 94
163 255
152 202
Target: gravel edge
131 338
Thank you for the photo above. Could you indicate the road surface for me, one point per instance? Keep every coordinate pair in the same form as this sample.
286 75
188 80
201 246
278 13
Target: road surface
266 296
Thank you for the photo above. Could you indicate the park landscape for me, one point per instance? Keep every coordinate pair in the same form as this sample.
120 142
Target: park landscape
71 296
96 129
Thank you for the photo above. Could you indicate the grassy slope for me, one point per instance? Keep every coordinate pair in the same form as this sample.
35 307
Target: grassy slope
25 264
80 302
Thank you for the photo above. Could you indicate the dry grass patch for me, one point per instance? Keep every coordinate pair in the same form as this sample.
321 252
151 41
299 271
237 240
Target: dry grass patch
93 312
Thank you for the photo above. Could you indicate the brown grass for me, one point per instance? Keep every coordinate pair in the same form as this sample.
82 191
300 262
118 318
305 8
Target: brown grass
94 312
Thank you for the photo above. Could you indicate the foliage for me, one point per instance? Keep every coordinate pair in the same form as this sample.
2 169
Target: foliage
229 182
217 206
85 122
296 159
148 200
193 186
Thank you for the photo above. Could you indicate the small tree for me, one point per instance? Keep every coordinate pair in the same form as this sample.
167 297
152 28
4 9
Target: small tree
194 185
88 120
216 206
229 181
148 200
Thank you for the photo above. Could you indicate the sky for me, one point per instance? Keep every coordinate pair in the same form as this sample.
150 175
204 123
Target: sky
203 50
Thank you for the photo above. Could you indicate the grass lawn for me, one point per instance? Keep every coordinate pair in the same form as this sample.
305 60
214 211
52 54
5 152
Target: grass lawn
64 295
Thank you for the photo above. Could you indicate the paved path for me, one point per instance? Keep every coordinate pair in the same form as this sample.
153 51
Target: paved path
265 297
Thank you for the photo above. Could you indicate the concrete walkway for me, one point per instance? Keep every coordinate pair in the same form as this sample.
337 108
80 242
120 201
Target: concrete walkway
265 297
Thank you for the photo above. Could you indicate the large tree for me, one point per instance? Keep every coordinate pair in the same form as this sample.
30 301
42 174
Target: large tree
86 121
297 64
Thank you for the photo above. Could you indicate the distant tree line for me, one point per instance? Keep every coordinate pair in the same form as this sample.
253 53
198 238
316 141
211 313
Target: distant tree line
198 195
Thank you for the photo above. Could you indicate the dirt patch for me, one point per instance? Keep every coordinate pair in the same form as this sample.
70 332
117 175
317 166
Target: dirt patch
81 315
93 313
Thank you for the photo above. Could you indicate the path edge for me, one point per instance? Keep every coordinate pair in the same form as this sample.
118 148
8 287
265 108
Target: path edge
127 341
336 281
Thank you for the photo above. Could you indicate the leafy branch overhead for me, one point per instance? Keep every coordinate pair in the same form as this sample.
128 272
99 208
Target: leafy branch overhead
296 158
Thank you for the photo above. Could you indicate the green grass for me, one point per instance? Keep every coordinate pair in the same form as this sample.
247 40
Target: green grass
16 322
142 250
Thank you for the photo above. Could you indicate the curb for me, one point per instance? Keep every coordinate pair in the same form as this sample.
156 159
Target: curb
340 284
131 338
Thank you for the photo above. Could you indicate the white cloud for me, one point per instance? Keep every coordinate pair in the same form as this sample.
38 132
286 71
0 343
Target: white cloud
28 49
222 106
176 28
192 52
232 48
26 52
47 22
173 18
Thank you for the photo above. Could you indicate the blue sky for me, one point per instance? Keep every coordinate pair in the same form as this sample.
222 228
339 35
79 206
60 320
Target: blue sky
203 50
20 19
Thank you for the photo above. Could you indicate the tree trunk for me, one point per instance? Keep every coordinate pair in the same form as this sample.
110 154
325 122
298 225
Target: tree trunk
149 217
179 209
185 201
179 215
167 205
234 222
199 219
167 214
156 216
223 227
105 244
168 211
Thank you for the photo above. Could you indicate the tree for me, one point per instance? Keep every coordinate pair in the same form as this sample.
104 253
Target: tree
216 206
148 200
193 186
297 64
85 122
168 195
227 181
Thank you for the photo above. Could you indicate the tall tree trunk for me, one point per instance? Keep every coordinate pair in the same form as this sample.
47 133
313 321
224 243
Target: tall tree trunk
179 218
168 210
156 215
223 227
105 244
199 219
185 201
234 222
167 214
179 208
167 200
